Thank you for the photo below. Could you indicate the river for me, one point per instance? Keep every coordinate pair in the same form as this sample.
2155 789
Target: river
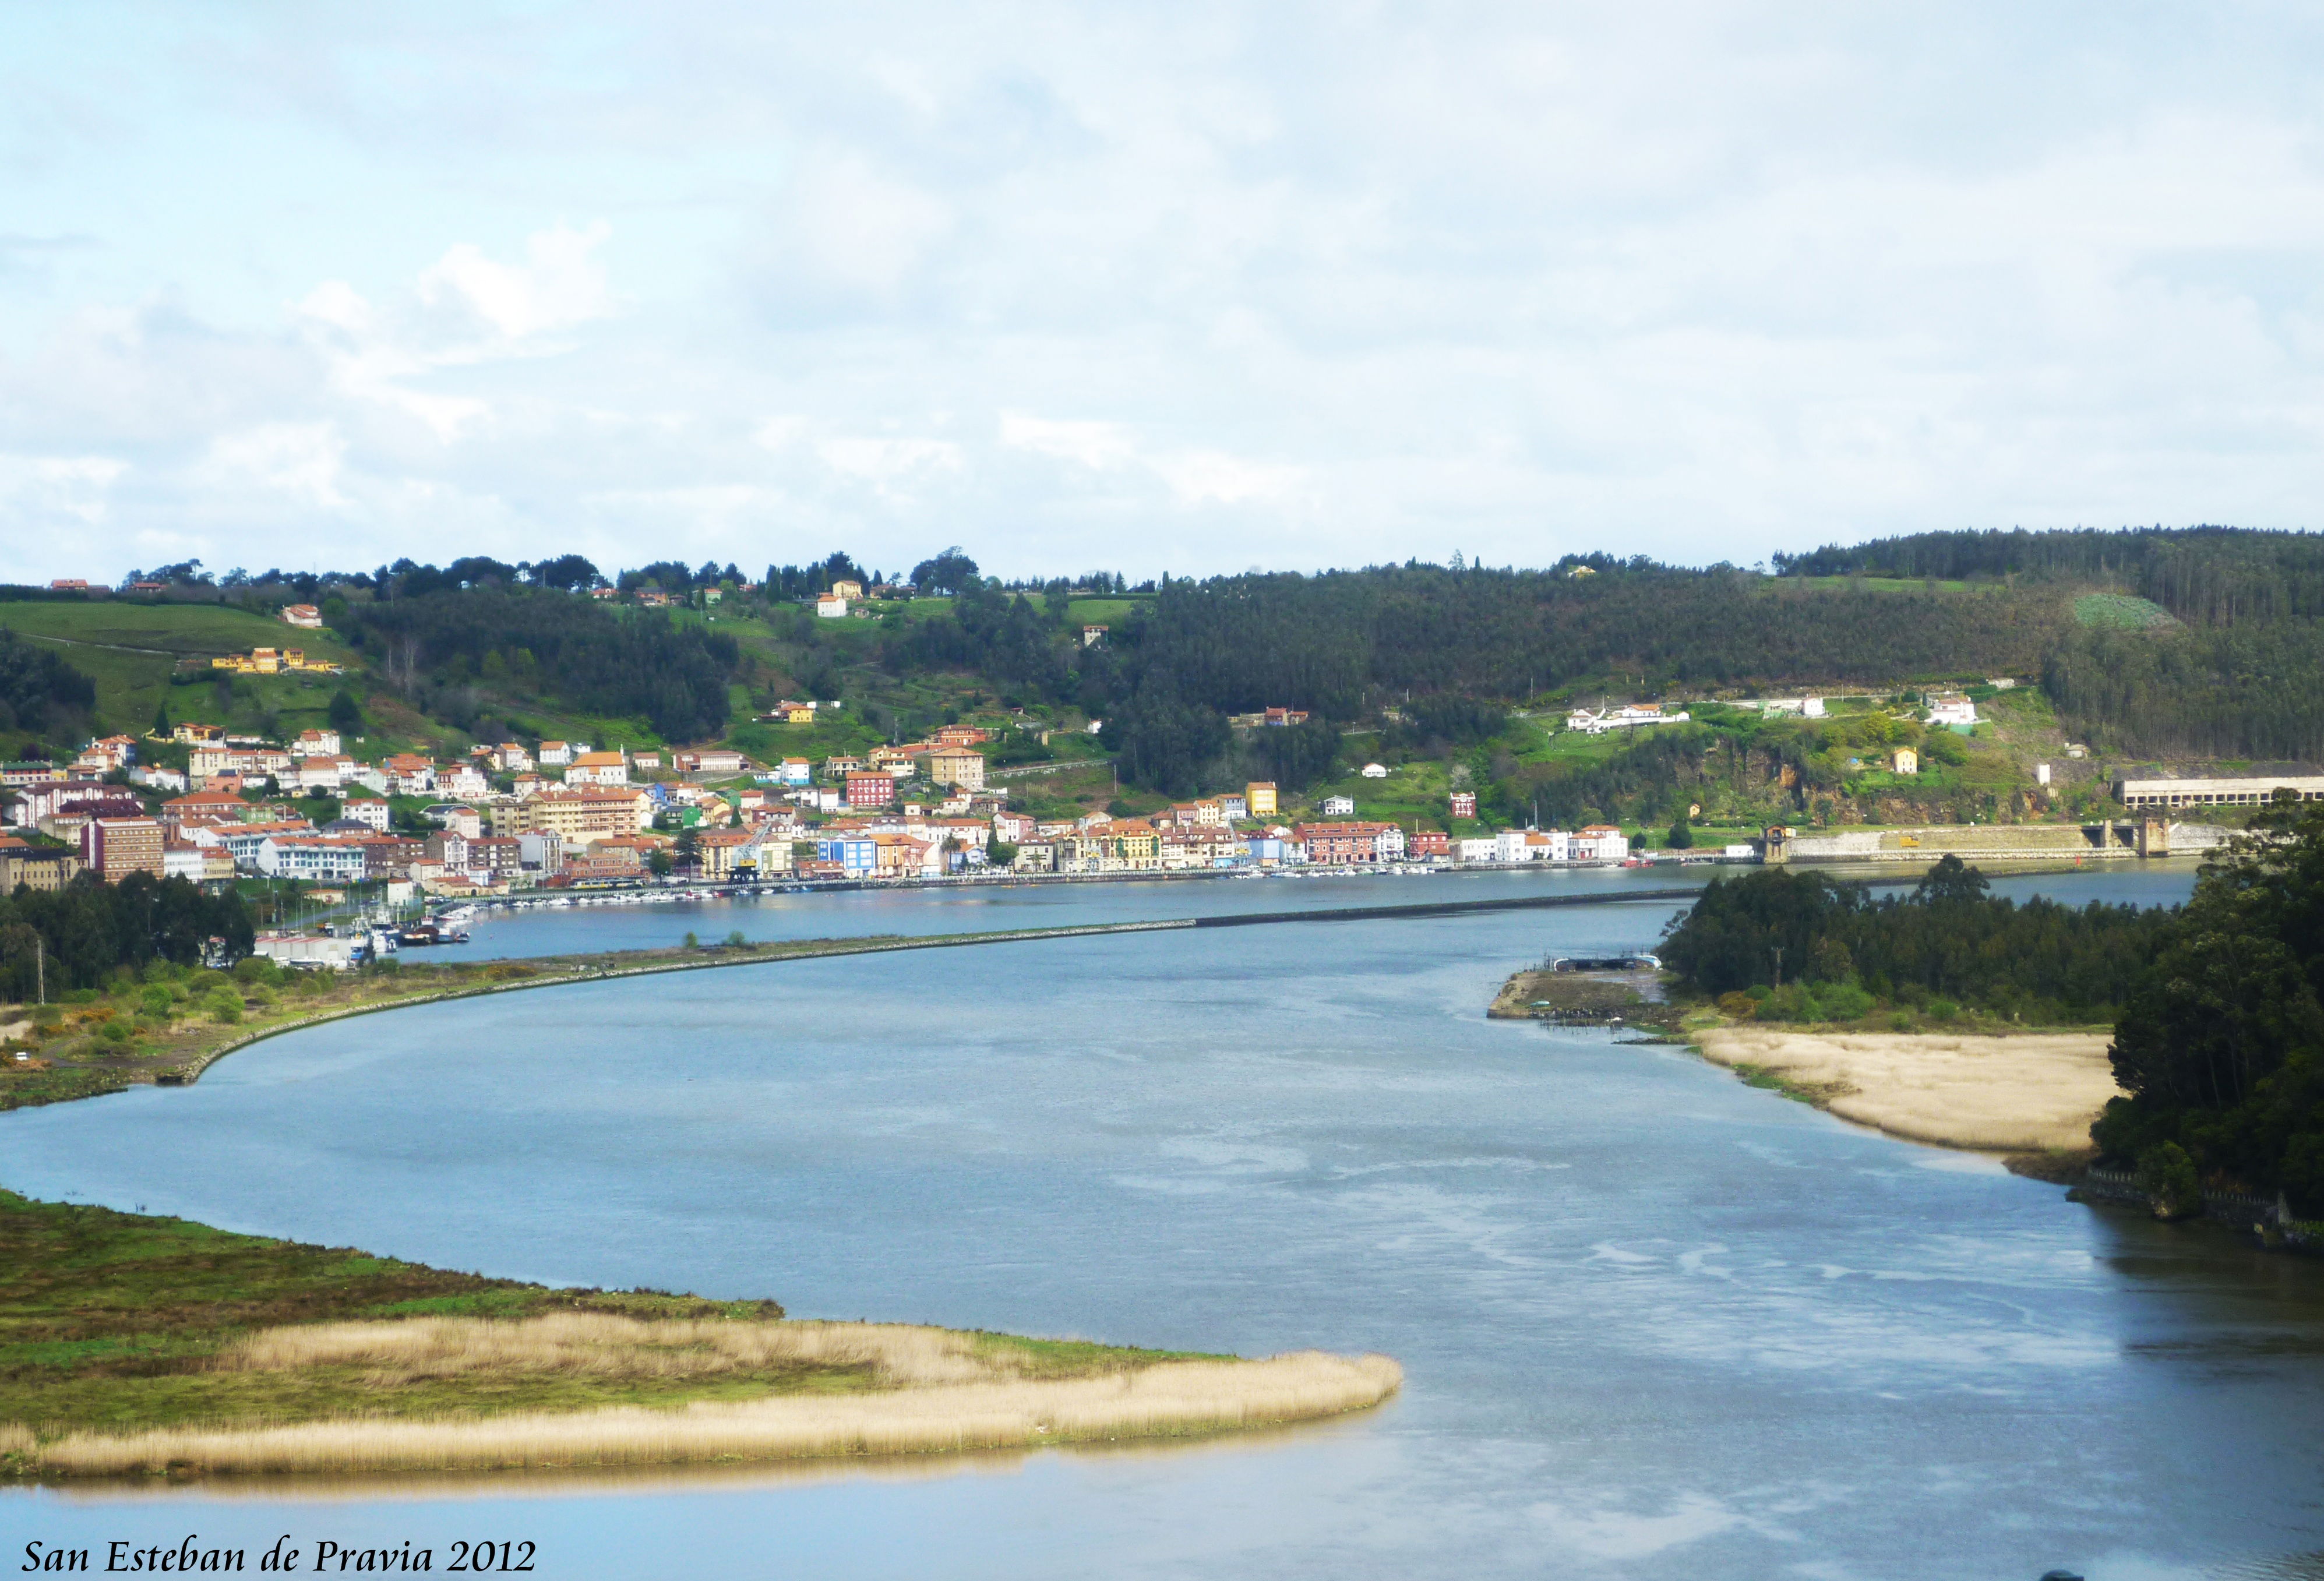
1654 1322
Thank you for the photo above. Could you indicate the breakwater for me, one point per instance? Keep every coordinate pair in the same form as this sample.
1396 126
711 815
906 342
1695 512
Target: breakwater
2271 1221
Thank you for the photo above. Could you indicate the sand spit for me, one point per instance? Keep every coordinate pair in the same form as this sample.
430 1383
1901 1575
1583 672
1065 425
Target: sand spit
1173 1398
2020 1092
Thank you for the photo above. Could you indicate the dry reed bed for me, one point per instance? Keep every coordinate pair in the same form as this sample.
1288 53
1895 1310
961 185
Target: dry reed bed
930 1390
1170 1398
603 1344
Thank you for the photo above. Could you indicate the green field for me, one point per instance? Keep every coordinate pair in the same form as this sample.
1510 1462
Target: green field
2122 611
131 650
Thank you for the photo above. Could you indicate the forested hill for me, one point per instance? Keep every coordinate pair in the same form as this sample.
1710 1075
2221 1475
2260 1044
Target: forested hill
546 642
2224 664
2212 576
1329 641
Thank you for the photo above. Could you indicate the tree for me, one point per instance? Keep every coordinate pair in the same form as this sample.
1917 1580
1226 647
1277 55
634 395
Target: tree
945 572
161 720
346 716
1682 835
1951 882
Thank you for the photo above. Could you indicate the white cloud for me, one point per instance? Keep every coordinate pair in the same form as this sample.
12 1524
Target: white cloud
57 489
562 285
1195 477
1697 283
858 227
1093 445
300 460
465 310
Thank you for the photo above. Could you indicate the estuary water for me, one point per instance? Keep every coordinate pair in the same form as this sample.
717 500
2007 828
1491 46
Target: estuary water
1654 1322
602 923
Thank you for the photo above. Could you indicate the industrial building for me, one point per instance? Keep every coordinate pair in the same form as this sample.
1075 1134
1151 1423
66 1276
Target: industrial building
2251 788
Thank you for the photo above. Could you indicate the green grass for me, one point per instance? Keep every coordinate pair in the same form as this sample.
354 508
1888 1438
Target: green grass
131 650
114 1320
107 1318
2122 611
1413 793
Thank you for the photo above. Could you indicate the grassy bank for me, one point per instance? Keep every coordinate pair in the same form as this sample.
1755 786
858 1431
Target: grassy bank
170 1024
131 1344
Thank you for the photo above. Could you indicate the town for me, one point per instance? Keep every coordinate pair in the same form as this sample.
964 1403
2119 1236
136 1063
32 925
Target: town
556 814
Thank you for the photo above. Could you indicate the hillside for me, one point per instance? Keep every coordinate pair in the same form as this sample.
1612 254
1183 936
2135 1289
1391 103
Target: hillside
2144 645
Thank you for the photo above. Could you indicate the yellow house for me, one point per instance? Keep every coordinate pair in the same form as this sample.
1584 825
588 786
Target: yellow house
956 766
269 661
1905 761
1138 846
1258 796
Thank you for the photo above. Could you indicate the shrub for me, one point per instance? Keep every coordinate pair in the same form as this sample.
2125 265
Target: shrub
1844 1001
257 969
1742 1007
157 1001
227 1010
2167 1175
117 1032
1943 1010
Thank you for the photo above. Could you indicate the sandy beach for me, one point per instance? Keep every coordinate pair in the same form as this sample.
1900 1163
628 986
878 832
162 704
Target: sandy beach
2016 1093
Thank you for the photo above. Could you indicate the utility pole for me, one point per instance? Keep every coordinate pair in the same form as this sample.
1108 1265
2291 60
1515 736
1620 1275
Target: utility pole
40 964
1779 965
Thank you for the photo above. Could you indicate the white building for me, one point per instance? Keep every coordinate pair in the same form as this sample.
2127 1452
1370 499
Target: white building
312 951
463 779
1630 716
831 607
1339 806
1375 771
368 810
310 855
1953 711
2240 790
598 769
1601 842
1532 845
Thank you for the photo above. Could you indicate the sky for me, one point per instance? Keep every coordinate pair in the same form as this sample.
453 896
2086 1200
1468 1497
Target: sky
1175 288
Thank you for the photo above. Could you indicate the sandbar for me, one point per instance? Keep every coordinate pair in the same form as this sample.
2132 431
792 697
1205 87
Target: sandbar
2015 1092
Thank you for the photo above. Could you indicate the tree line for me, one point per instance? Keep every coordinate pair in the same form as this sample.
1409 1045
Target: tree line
592 659
2037 959
39 692
2204 575
2220 1044
78 936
